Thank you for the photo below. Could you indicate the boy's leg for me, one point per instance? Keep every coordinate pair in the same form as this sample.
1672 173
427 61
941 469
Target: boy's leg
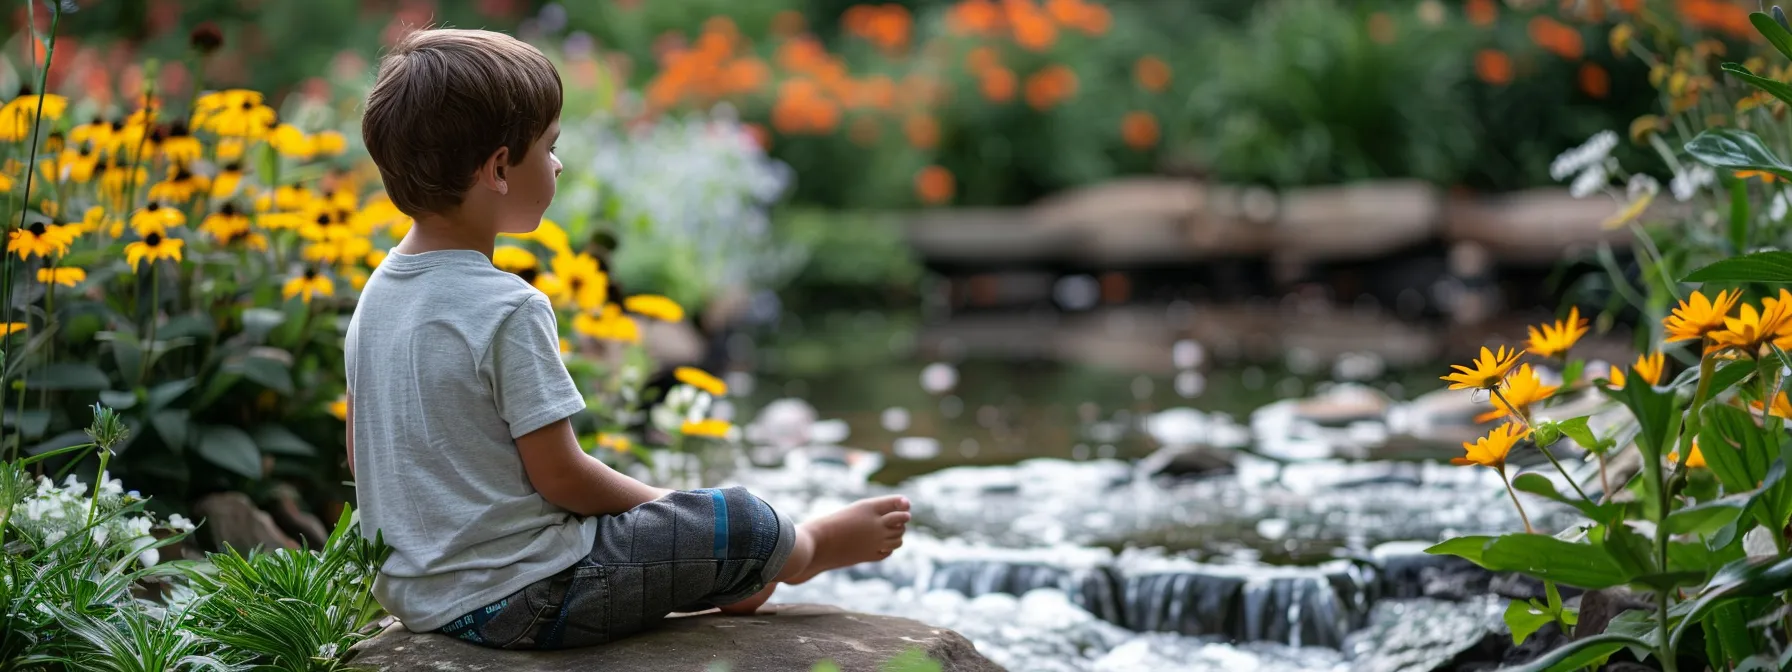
865 531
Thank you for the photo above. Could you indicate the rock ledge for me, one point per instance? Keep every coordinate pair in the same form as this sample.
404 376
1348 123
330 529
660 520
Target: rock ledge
781 637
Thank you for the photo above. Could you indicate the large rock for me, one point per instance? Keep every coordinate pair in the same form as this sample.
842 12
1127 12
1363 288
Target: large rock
781 637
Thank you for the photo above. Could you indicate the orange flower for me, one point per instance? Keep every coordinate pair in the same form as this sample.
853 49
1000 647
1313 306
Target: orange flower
760 136
886 26
1090 18
981 59
1556 37
1049 86
1482 12
1593 81
974 17
923 132
934 185
1032 30
1493 67
997 84
1152 73
1139 130
787 23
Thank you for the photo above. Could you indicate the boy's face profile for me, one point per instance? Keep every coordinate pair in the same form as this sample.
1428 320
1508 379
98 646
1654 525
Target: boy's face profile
526 189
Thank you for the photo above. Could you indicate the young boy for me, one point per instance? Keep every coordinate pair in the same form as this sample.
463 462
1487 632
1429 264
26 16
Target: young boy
504 532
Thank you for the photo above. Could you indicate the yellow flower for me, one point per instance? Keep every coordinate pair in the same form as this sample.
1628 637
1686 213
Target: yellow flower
338 246
1491 450
1762 174
233 113
43 240
154 218
116 180
1620 37
611 325
288 197
10 328
307 285
357 278
549 235
291 142
616 442
226 223
1630 212
1697 316
1781 407
1751 329
1649 366
66 276
1523 388
339 408
1696 459
1486 372
16 116
513 259
374 258
96 133
77 165
1555 339
153 247
565 347
654 306
180 146
701 380
711 428
582 282
329 143
180 186
230 149
229 178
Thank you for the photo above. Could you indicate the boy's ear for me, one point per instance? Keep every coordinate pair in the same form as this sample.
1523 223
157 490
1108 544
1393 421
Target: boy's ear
493 172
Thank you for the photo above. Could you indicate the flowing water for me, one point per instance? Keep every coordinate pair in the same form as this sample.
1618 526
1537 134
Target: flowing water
1208 513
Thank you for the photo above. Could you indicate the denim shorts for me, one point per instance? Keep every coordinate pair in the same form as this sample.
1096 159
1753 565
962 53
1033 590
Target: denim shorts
688 551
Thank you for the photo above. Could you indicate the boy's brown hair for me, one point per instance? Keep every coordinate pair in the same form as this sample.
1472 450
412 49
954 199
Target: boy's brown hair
445 99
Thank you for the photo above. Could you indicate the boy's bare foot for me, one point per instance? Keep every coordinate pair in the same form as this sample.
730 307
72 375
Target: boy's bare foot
864 531
750 606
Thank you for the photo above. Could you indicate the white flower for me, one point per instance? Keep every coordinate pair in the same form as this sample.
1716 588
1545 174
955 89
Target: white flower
55 536
667 418
1686 183
110 487
180 523
149 557
1592 152
74 487
1641 184
101 534
1589 182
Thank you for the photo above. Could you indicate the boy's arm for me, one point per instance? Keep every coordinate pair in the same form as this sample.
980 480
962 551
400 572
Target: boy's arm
575 481
350 419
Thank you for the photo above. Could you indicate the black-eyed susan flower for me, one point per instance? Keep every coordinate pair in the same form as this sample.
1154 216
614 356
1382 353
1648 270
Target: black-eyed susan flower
1697 316
156 218
514 260
287 198
236 113
1523 388
329 143
1782 407
582 282
91 221
379 213
374 258
179 146
1750 329
616 442
67 276
609 325
307 285
549 235
226 223
6 182
701 380
180 186
154 247
1486 372
654 306
291 142
10 328
95 133
228 179
1648 366
1696 460
39 239
77 165
337 246
1554 340
17 115
117 180
230 149
339 408
709 428
356 277
1491 450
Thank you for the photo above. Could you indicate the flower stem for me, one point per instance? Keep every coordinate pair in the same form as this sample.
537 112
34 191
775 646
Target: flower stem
1605 484
1523 417
37 122
1707 369
1515 504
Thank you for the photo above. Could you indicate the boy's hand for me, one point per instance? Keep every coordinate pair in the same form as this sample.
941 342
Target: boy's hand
572 480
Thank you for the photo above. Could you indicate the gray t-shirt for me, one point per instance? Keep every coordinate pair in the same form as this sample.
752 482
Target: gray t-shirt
449 361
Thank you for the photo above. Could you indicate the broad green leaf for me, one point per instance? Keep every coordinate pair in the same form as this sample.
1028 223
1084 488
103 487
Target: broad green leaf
1654 411
127 355
172 426
1524 619
1727 630
1552 559
276 439
1739 208
67 376
1638 624
1758 267
1581 653
1707 517
1737 451
59 442
1743 578
1540 485
1733 149
186 326
1728 375
1572 373
163 394
1576 429
220 383
912 659
1776 88
33 423
257 322
119 400
825 666
231 449
1775 33
1633 555
269 373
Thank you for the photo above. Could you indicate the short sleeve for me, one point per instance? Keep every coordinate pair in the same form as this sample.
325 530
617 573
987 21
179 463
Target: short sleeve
529 382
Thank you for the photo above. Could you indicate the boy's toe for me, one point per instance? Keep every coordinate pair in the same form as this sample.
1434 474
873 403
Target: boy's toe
902 503
897 519
893 503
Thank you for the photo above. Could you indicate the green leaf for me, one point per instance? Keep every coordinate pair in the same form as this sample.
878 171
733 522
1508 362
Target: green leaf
1707 517
1727 629
1552 559
912 660
1743 578
1581 653
186 326
276 439
1758 267
231 449
127 355
257 322
1629 551
269 373
172 425
119 400
825 666
1540 485
32 423
1654 411
1774 87
1572 373
1733 149
220 383
1525 619
162 395
1775 33
1638 624
1576 429
68 376
1738 452
1739 205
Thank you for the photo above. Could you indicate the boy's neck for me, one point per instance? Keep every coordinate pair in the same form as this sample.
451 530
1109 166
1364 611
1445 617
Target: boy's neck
434 233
